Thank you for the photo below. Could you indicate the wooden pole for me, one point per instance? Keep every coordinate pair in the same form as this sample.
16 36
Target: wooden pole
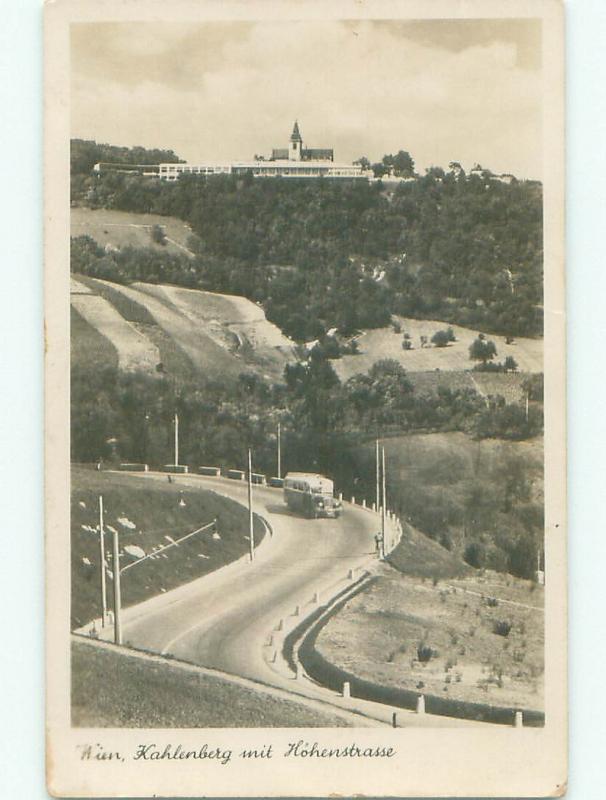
102 565
377 475
383 503
279 451
117 598
251 532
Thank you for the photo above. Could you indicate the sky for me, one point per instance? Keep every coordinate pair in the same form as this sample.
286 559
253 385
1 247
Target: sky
444 90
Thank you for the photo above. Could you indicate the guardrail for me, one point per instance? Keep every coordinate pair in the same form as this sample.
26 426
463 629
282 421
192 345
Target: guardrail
393 526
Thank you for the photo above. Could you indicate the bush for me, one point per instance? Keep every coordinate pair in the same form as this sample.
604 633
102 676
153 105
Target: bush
501 627
442 338
424 653
474 555
157 234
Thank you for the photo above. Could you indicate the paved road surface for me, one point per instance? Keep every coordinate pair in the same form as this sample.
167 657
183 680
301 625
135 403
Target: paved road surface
219 626
225 619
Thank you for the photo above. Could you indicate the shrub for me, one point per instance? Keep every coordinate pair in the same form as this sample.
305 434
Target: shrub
424 653
157 234
501 627
441 338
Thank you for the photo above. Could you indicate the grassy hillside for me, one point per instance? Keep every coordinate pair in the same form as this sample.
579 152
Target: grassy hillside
147 515
89 349
157 328
482 500
136 353
482 634
133 692
117 229
385 343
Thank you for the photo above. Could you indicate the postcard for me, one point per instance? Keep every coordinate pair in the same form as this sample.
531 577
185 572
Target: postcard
305 399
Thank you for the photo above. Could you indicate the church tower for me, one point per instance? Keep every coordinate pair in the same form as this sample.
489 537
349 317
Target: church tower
296 144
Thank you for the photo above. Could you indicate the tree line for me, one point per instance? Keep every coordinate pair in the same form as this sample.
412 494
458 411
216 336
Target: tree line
320 254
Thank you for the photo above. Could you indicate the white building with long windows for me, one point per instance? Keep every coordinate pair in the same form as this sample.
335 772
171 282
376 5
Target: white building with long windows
294 161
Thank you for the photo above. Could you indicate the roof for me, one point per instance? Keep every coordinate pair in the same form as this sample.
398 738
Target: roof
306 475
296 135
322 153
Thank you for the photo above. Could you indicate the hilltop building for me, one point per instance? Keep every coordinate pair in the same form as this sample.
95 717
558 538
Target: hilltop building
294 161
296 151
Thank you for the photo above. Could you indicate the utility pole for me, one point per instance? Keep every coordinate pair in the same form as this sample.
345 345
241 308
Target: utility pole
251 533
117 598
377 478
383 503
102 564
279 451
176 439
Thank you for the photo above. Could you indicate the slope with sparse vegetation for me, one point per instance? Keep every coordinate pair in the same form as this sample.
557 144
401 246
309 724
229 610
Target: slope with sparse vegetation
147 515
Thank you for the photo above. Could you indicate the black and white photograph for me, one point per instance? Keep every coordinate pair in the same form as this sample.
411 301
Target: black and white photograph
306 271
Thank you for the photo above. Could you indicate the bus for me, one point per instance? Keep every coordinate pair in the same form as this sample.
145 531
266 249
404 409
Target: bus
311 494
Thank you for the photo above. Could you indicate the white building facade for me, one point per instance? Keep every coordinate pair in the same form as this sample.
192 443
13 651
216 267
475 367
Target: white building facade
295 161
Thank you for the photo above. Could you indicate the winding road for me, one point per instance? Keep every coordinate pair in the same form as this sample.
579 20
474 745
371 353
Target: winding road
227 619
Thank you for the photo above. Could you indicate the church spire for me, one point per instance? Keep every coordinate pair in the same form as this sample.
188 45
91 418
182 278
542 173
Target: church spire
296 136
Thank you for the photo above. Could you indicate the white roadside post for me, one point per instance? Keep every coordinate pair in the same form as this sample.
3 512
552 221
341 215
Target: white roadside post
117 597
102 564
176 439
251 533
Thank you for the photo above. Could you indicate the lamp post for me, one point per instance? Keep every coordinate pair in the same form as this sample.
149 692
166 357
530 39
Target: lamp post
377 478
383 502
251 533
102 564
117 593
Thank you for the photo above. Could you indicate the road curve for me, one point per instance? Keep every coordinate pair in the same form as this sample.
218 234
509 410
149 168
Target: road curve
223 623
224 620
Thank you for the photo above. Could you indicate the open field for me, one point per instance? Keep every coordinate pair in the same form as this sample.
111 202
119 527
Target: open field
381 634
116 689
508 385
384 343
120 229
185 331
147 515
135 351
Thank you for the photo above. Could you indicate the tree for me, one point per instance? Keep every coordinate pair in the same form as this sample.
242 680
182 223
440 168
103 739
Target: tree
482 349
441 339
402 164
363 162
157 234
